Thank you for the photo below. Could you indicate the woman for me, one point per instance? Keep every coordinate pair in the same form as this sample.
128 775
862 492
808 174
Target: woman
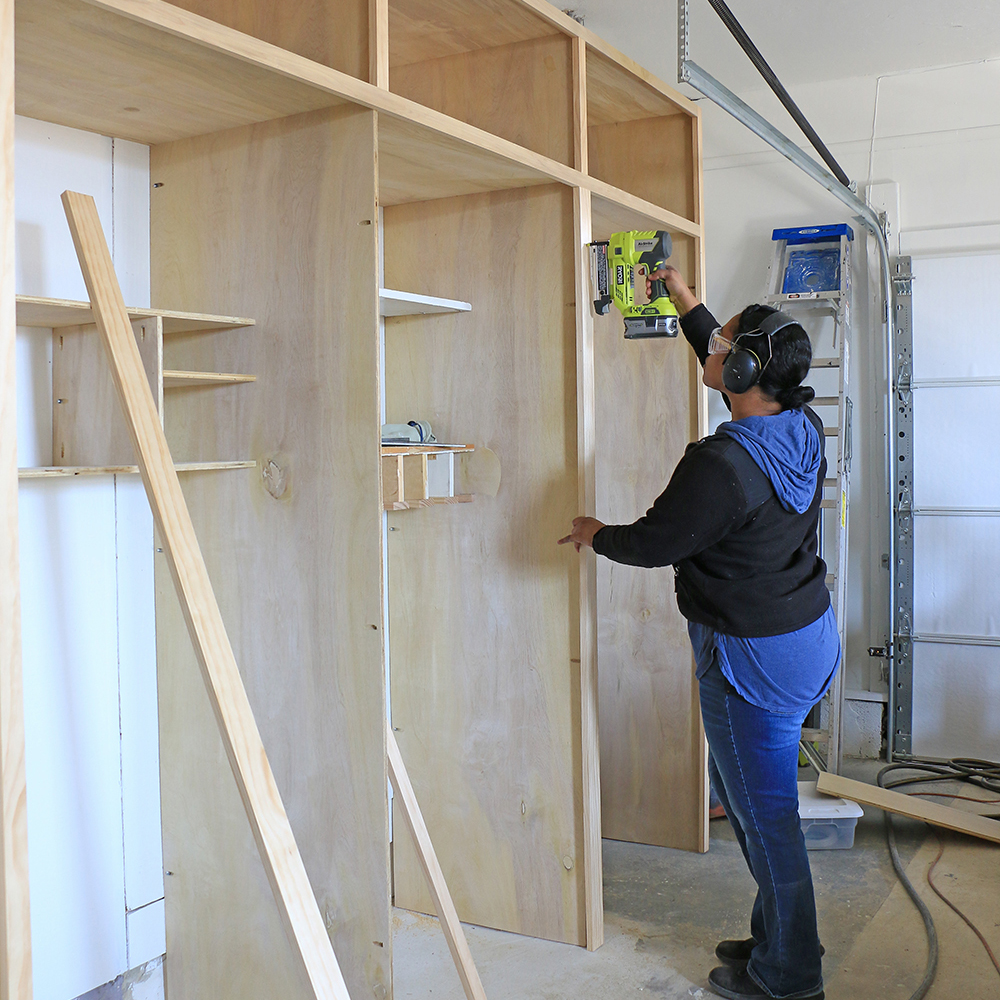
738 522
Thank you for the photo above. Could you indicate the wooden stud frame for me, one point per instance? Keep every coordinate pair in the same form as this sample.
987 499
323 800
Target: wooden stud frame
286 873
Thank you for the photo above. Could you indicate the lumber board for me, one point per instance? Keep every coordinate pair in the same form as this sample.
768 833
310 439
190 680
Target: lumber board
653 765
276 221
265 812
443 903
378 43
580 159
521 91
15 915
586 443
494 754
909 805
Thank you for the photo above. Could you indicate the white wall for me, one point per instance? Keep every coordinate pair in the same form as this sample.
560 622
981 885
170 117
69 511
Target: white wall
87 607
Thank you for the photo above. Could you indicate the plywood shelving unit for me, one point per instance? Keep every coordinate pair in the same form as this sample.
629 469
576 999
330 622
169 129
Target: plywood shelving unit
88 433
302 163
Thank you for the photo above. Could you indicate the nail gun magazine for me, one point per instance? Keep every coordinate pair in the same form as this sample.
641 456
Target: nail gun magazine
613 267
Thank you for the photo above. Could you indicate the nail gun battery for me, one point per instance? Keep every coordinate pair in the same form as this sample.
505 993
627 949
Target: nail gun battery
637 327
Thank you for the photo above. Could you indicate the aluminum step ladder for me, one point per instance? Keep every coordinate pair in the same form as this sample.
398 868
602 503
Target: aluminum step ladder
810 279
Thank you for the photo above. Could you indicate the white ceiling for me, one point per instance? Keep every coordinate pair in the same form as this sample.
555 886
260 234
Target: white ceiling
805 41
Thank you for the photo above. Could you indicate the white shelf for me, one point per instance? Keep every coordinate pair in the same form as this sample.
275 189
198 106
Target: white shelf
393 303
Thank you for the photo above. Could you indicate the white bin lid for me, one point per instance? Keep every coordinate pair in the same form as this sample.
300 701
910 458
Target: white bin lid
816 805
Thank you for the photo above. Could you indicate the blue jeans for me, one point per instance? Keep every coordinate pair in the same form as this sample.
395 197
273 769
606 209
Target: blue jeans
753 763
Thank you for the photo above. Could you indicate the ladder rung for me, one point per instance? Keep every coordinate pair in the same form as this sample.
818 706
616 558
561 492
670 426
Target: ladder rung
828 504
831 580
825 401
825 363
831 432
828 484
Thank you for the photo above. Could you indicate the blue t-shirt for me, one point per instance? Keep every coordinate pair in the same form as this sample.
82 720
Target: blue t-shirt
786 674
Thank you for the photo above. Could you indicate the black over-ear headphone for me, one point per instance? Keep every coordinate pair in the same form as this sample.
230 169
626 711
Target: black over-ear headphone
751 353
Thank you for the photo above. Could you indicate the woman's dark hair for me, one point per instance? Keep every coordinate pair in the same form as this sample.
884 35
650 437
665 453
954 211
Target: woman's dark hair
791 355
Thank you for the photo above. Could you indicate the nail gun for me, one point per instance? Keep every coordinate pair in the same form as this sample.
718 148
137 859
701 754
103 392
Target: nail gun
613 264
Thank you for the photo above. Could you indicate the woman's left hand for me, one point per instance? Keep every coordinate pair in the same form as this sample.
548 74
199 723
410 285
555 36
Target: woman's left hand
584 529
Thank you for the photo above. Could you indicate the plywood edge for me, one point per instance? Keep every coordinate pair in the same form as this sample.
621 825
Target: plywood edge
185 380
56 471
50 314
907 805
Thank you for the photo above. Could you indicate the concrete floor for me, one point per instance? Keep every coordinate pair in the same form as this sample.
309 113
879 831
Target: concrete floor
666 909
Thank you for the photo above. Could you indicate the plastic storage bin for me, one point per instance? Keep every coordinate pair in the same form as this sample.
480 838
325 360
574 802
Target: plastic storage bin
827 823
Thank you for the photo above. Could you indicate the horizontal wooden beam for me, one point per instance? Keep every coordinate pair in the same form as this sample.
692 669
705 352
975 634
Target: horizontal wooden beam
268 820
909 805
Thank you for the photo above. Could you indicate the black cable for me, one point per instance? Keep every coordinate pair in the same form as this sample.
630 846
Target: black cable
897 864
984 774
745 42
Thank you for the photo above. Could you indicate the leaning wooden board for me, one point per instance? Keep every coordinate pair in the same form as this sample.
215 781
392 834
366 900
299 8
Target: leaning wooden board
909 805
257 787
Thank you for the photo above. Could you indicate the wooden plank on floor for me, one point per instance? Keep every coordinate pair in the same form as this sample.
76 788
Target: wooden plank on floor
909 805
257 787
15 919
443 903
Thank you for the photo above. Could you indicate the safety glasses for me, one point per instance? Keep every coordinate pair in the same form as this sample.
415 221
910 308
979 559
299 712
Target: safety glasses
717 344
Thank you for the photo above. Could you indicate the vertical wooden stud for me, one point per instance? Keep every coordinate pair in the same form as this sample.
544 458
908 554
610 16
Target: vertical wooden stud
378 43
586 408
580 104
15 918
296 903
443 903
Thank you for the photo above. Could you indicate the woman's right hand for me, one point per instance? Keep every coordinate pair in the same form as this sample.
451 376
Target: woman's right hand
677 288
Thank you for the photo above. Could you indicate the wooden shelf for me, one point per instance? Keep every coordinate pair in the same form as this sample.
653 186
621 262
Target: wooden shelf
54 314
425 449
429 502
395 303
406 476
54 471
185 380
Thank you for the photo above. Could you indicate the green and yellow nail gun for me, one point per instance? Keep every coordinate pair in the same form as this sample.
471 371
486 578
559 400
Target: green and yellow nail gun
613 266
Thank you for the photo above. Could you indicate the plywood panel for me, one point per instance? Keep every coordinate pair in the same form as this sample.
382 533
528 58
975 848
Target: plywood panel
279 218
521 91
15 918
652 759
87 424
417 164
429 29
614 94
335 34
483 606
652 158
